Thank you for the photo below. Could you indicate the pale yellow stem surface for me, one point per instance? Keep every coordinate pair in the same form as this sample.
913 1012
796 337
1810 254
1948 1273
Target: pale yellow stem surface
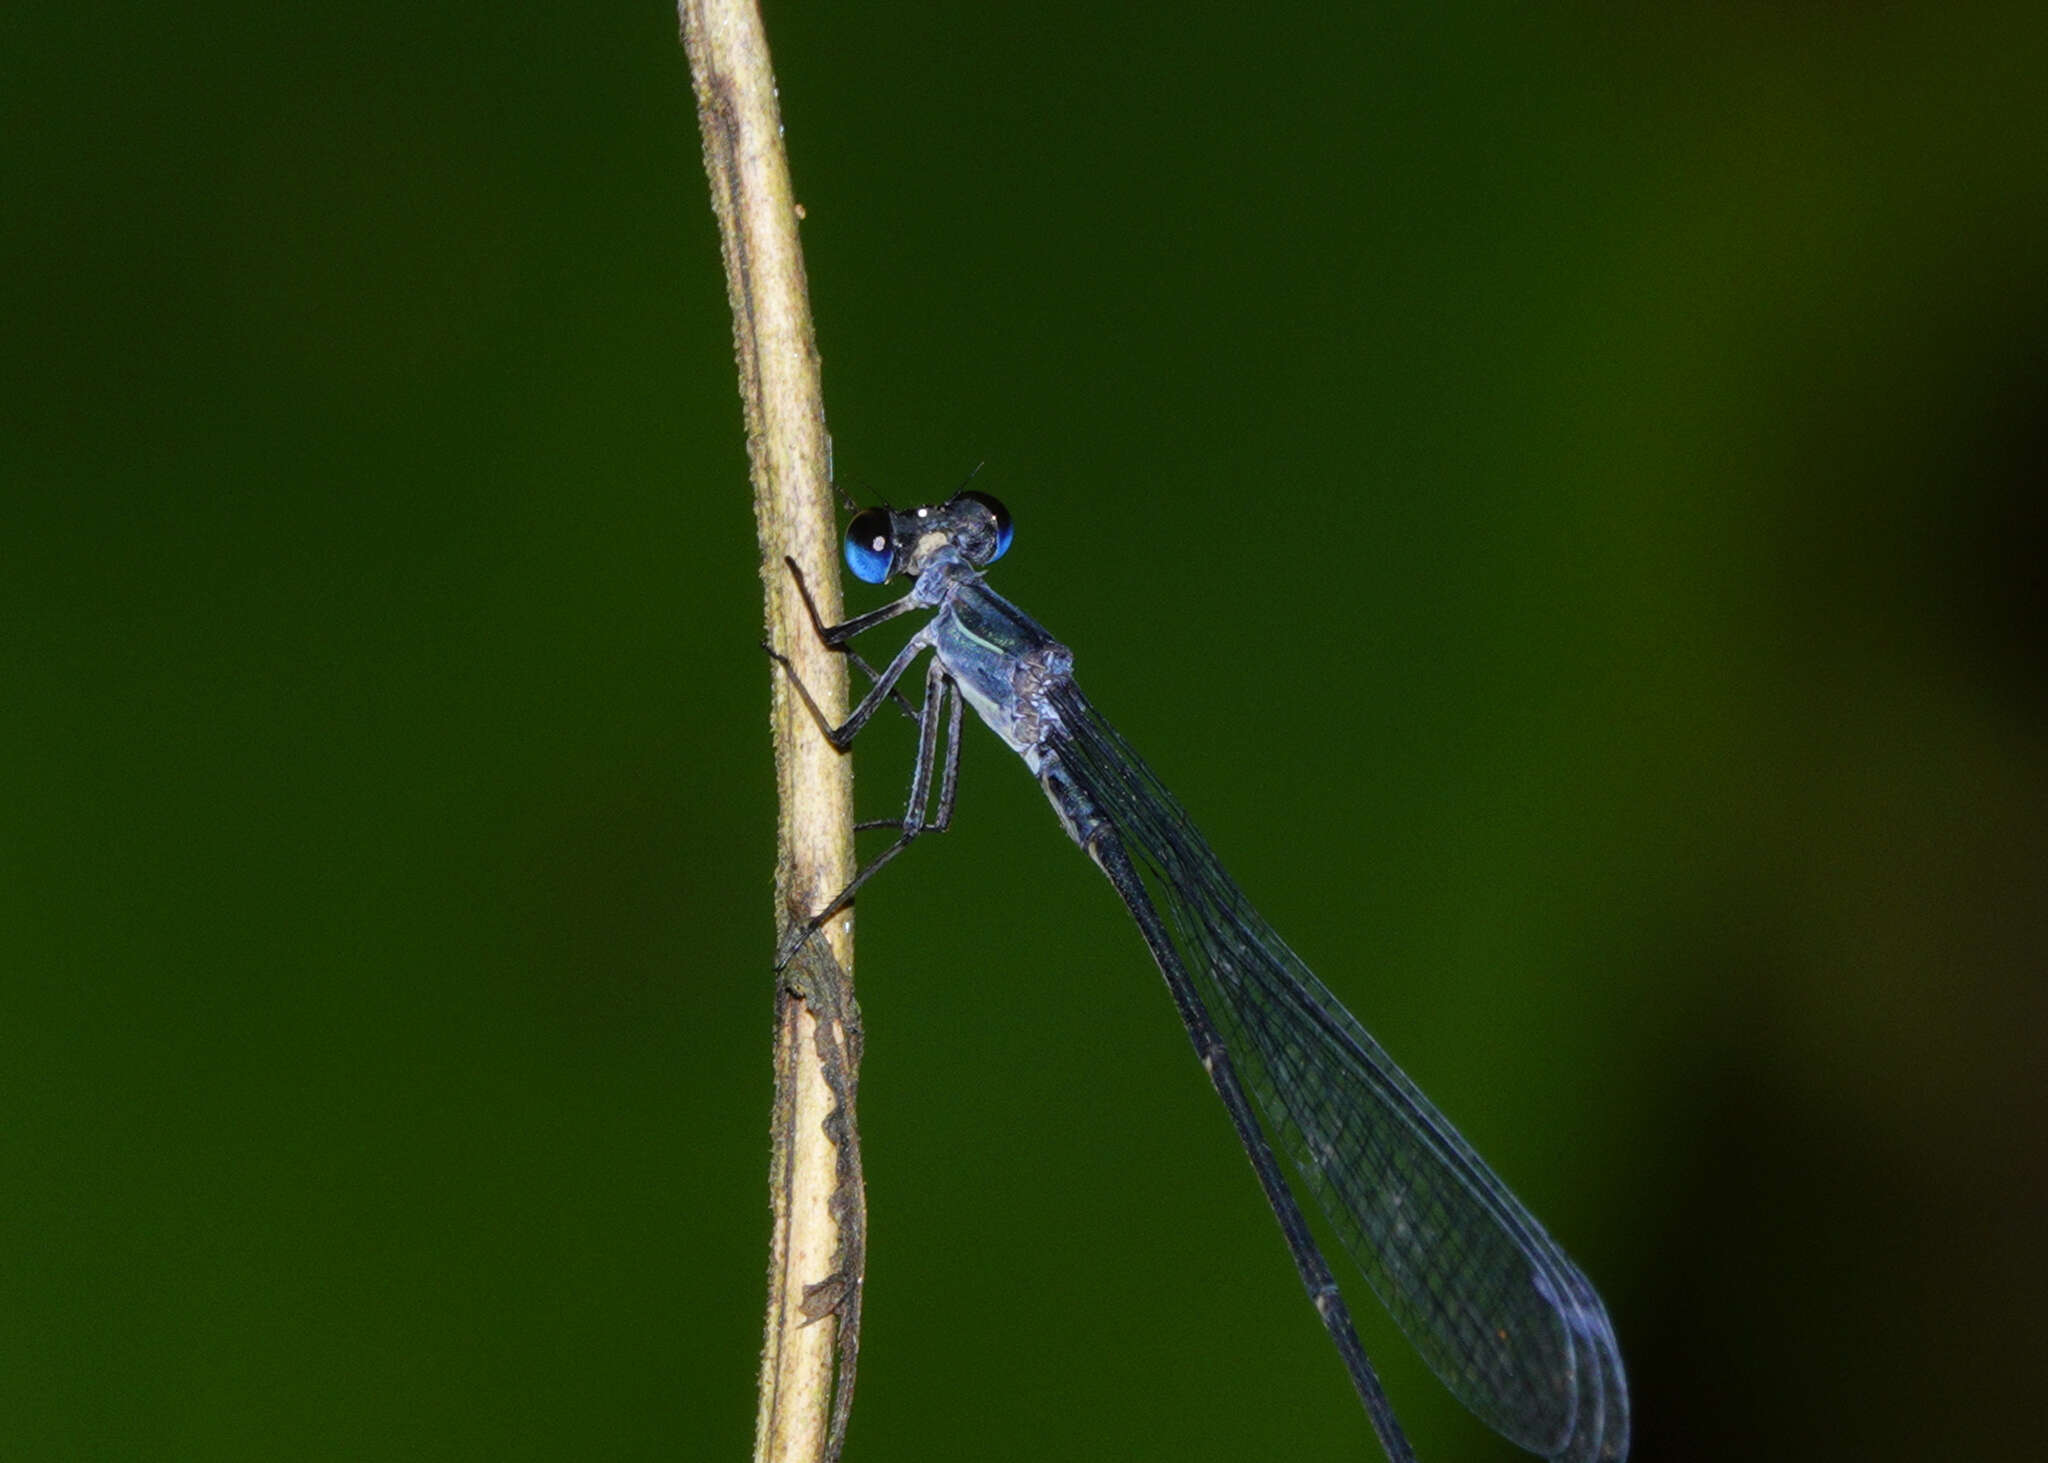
790 460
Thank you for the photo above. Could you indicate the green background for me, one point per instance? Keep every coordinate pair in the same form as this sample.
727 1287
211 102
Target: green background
1558 496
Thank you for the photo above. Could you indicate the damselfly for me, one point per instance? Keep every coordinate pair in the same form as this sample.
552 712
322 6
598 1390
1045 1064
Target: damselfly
1493 1305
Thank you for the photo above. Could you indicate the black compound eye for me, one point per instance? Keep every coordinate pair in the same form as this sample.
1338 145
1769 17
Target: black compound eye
1004 528
870 545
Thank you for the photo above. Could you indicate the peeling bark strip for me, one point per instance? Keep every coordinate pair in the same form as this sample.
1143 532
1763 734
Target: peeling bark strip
820 982
801 1012
812 1332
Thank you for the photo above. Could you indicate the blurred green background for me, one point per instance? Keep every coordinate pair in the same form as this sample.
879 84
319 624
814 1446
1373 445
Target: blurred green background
1559 497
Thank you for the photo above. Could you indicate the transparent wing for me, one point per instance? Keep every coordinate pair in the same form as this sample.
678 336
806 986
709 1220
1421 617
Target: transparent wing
1488 1299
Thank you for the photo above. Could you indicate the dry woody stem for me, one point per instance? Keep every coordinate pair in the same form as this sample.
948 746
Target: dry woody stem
817 1210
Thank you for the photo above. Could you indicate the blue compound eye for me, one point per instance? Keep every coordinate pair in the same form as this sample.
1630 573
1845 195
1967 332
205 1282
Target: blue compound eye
870 545
1004 528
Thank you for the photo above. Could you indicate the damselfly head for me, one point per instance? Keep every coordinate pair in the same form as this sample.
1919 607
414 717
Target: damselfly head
882 543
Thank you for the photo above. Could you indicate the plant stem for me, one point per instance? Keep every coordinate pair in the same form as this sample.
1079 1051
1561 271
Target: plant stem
817 1206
